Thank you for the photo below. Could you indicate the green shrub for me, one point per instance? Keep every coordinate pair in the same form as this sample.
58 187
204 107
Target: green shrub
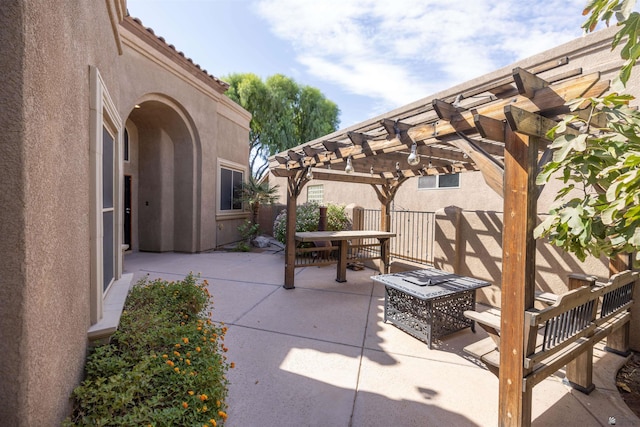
307 218
165 366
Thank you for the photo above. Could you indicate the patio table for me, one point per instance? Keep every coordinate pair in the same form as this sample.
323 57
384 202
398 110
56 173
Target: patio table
343 238
429 303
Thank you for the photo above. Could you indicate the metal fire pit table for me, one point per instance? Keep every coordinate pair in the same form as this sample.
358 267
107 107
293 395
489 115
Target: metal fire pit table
429 303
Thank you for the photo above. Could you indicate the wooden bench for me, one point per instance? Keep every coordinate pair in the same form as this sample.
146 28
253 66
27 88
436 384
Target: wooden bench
565 332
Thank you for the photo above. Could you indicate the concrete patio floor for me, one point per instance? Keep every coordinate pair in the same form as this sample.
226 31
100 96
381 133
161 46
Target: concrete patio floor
321 354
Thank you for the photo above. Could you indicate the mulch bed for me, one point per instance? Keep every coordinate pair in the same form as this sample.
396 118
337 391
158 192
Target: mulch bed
628 383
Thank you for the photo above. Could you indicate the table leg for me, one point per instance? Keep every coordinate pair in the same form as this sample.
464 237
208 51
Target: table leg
341 274
384 255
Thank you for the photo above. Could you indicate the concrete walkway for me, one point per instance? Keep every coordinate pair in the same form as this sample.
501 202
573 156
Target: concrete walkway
321 355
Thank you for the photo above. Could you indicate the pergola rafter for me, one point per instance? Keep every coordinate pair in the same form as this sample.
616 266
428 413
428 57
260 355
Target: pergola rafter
498 128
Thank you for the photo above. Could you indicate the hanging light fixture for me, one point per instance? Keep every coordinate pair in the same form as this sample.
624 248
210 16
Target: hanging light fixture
309 173
414 157
348 168
371 170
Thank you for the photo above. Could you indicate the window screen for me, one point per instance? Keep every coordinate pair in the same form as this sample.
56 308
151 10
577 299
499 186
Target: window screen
230 189
439 181
108 234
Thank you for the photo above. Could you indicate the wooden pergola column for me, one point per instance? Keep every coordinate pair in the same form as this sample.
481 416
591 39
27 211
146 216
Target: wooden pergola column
295 182
518 274
386 194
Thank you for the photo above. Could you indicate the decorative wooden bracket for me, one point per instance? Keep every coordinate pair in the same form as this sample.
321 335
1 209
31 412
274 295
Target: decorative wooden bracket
491 168
296 182
386 192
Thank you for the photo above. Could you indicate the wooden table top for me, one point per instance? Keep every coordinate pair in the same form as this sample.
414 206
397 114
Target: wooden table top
316 236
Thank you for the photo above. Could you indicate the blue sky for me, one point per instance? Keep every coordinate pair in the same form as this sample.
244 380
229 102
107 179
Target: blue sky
368 56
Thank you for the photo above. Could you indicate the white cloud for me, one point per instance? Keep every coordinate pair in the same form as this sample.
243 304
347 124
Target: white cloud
400 51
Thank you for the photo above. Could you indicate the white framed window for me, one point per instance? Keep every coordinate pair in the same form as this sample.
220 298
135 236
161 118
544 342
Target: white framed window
230 181
315 193
439 181
106 171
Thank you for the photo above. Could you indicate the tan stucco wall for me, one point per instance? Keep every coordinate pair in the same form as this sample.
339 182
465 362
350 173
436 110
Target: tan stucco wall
45 180
44 214
229 131
211 127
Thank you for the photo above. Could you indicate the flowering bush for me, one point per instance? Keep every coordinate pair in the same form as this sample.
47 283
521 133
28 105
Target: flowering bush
164 366
307 218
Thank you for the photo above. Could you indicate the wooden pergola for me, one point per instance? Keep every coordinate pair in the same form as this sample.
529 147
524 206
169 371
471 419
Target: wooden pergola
497 128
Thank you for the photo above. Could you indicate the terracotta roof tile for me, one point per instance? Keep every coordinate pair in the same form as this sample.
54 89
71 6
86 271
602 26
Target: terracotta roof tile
191 64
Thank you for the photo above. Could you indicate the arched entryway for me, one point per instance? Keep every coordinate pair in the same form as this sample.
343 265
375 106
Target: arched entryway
162 177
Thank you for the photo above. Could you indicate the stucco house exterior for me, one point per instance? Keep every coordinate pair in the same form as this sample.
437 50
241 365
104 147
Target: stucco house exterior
110 140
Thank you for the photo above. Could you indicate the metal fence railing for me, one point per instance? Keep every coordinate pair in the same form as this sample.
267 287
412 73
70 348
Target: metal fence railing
414 234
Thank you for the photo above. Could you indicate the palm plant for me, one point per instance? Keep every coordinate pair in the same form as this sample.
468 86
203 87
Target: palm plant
256 193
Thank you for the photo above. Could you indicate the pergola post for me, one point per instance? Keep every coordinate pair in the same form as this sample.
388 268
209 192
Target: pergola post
295 183
518 274
385 194
385 215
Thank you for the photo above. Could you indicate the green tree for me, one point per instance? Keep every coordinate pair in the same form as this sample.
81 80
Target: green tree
284 114
602 161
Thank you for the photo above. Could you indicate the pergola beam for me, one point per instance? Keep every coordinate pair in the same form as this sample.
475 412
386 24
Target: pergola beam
527 83
359 178
547 97
359 138
532 124
490 128
434 133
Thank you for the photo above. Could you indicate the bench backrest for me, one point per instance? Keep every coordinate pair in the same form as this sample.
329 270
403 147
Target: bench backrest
569 319
576 314
616 294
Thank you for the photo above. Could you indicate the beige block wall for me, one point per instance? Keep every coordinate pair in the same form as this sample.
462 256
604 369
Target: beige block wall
44 214
470 243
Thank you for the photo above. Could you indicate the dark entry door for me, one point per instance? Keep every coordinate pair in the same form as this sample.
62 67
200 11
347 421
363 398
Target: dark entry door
127 211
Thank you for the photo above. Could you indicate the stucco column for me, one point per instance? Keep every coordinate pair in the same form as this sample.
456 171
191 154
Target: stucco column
448 246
